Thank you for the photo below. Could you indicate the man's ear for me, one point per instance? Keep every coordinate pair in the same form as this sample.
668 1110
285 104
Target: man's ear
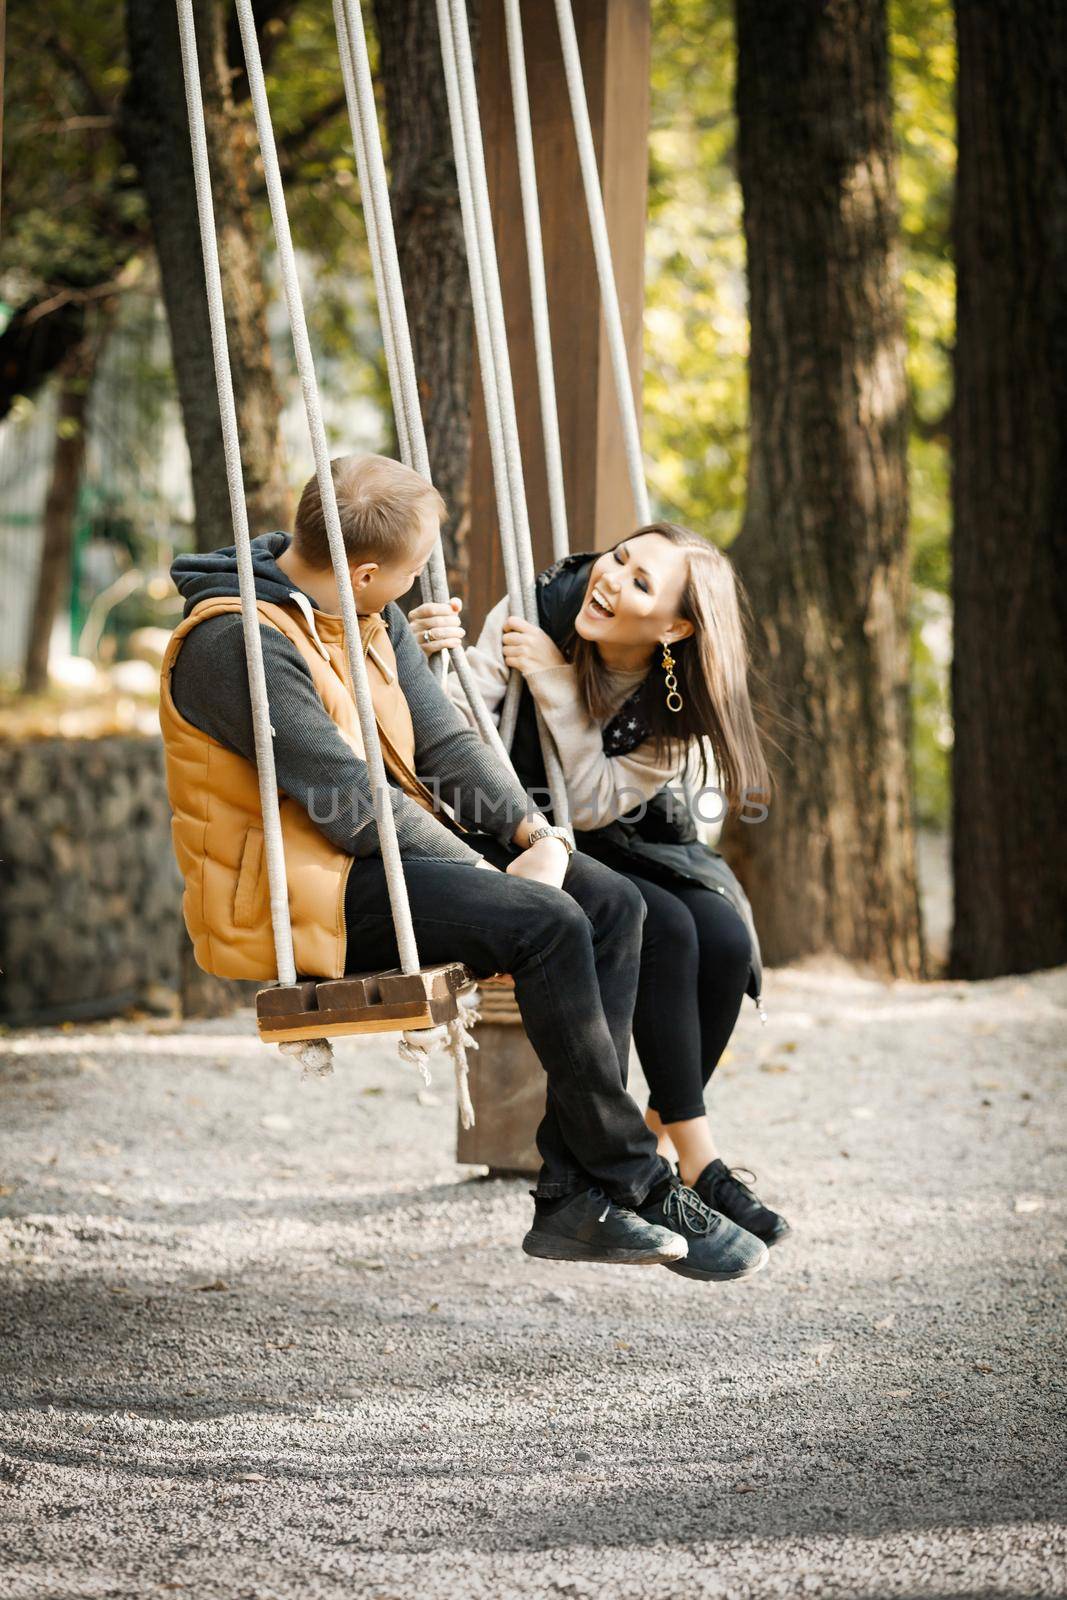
681 628
364 574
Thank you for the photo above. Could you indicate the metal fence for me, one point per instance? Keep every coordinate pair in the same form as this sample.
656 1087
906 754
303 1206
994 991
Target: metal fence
135 501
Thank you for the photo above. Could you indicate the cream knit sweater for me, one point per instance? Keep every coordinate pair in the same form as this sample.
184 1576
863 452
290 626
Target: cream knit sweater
599 787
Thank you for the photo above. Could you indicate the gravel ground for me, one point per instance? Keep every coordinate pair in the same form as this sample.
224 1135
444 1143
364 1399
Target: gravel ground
262 1338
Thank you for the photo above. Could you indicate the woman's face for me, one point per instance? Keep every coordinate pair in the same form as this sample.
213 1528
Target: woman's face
634 594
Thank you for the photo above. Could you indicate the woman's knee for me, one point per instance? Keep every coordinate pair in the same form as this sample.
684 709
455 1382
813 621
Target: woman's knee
626 902
725 946
669 927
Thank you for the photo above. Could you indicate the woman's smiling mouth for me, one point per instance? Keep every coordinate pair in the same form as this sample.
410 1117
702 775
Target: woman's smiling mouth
598 604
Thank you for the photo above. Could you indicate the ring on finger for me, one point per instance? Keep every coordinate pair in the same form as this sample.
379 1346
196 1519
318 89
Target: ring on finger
429 633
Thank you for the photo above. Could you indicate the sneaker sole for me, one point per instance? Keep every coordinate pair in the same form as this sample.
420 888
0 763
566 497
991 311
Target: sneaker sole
686 1271
548 1249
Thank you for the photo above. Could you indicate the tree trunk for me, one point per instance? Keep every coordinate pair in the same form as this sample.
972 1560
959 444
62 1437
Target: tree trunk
156 133
3 60
1009 680
60 507
429 233
823 549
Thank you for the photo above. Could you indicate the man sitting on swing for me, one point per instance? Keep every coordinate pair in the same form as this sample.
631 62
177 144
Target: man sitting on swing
488 885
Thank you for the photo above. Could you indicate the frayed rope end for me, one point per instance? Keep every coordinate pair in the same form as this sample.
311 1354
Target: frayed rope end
313 1056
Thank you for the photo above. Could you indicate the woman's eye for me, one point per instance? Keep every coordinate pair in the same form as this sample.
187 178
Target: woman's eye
618 557
641 584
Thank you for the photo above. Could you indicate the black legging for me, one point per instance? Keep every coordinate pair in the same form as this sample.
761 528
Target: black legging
694 968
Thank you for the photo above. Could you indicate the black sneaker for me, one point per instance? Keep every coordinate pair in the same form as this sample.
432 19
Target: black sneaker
717 1186
591 1228
718 1248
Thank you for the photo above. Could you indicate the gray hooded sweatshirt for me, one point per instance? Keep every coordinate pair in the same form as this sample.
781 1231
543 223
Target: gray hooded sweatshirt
314 764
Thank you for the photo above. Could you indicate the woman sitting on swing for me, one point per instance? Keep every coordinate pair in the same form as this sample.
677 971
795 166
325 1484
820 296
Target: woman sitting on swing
639 668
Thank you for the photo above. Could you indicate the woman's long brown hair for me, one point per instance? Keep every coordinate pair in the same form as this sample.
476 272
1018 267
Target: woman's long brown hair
711 667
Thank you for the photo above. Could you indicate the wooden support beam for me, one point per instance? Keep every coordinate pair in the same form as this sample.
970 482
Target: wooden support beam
507 1087
507 1082
615 41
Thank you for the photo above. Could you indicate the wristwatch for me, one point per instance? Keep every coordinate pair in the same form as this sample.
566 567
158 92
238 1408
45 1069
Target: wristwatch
537 834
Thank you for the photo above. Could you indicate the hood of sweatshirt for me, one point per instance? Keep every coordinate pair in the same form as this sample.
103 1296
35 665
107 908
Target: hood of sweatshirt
213 575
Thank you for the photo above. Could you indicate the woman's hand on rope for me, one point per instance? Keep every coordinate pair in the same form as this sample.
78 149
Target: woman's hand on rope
543 862
436 626
529 647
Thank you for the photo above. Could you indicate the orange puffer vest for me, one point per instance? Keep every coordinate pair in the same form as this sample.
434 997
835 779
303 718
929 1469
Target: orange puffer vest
217 826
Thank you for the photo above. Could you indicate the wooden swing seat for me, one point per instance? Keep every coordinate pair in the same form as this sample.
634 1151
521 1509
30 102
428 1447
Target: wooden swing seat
363 1002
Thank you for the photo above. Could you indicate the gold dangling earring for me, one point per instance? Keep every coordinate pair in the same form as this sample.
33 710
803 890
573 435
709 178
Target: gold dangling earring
674 699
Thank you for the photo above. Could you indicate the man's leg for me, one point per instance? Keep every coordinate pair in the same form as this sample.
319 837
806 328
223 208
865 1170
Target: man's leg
615 911
545 940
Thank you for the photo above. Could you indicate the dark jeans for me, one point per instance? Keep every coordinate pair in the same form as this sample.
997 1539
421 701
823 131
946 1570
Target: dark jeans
574 955
694 969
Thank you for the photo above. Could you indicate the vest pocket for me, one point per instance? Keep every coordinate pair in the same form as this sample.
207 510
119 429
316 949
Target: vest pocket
245 897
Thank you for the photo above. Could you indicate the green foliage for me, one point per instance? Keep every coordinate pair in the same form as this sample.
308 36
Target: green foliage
322 189
922 43
73 213
931 649
696 317
924 74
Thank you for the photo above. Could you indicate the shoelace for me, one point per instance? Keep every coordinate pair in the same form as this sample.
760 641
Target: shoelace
686 1207
733 1178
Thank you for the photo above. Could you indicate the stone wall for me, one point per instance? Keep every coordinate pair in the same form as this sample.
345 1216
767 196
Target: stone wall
90 898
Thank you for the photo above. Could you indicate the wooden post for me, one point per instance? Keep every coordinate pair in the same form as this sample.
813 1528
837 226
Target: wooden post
615 41
507 1082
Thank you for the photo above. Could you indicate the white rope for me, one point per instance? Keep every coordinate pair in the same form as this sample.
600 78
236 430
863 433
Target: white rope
393 311
480 308
418 1046
373 229
363 119
231 445
494 359
356 93
374 187
459 1042
314 1056
396 332
392 306
380 790
455 40
535 257
609 297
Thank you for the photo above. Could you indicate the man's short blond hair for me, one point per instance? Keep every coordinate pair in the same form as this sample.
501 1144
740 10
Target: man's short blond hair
379 502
